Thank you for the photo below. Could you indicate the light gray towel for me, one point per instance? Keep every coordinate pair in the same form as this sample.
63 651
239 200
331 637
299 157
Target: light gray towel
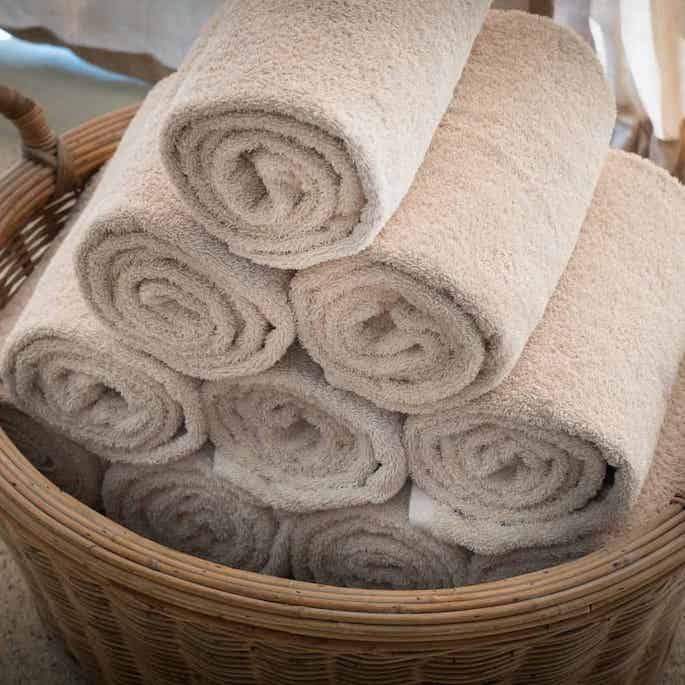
298 444
563 446
60 366
372 546
439 308
186 507
160 282
297 127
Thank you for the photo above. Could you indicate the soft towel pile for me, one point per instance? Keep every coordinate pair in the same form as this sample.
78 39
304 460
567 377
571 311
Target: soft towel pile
470 254
161 283
297 127
562 447
438 309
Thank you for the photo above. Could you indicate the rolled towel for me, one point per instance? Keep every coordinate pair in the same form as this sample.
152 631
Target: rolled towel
300 445
61 367
666 477
186 507
70 467
372 546
563 446
160 282
438 309
297 127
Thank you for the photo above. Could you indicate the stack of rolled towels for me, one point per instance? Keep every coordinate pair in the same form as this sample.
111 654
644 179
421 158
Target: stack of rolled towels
364 299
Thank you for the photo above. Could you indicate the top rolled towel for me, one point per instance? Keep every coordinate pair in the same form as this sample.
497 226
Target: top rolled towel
438 309
297 127
160 282
562 448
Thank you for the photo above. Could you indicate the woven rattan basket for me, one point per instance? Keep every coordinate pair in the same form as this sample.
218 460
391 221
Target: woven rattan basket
132 611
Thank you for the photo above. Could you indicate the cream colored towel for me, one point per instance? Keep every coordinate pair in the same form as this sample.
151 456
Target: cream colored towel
666 478
298 444
297 127
438 309
160 282
373 546
186 507
563 446
70 467
61 368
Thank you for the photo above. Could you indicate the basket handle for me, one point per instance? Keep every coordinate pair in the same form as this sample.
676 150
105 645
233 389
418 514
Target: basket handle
39 143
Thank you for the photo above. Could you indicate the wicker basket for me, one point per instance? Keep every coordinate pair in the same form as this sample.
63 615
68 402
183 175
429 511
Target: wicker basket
132 611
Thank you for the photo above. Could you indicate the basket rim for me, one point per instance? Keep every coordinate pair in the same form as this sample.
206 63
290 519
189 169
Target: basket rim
555 596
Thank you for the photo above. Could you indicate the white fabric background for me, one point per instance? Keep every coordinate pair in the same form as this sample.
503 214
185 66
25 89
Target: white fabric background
163 28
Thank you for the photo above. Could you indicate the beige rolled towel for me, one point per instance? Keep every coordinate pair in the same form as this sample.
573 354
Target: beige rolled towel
160 282
563 446
438 309
372 546
70 467
60 366
297 127
666 477
186 507
299 444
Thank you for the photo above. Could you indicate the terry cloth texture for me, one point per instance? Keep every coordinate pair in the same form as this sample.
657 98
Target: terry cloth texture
160 282
562 448
439 308
666 478
186 507
299 444
297 127
372 546
60 366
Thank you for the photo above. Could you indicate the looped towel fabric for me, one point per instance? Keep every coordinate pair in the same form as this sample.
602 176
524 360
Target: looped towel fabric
61 367
186 507
373 546
300 445
297 127
438 309
163 285
562 448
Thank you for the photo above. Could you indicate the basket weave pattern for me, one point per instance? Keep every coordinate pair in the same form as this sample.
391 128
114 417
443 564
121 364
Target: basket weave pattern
133 612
